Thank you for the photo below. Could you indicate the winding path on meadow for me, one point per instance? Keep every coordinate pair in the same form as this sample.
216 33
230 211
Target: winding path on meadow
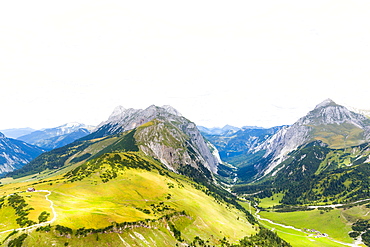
39 224
357 242
51 207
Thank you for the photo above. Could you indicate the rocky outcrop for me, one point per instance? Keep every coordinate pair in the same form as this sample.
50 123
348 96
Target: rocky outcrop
282 143
163 133
316 125
123 119
328 112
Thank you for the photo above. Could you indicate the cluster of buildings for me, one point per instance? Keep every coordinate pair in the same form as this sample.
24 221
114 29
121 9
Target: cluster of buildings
315 233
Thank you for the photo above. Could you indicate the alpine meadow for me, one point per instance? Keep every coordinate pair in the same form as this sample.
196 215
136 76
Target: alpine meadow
151 177
184 123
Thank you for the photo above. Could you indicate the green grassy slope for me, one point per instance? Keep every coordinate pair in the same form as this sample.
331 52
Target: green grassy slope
300 220
338 223
335 225
300 239
150 204
316 175
338 136
63 159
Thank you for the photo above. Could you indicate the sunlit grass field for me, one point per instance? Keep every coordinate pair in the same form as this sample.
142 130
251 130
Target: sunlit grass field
269 202
135 195
331 223
336 223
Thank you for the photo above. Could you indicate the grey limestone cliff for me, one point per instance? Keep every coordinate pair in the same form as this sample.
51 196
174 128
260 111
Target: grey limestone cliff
329 122
163 133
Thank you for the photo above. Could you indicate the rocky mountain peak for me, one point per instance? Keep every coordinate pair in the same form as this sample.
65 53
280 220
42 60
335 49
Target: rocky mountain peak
171 110
328 112
71 127
325 103
120 112
329 122
123 119
168 136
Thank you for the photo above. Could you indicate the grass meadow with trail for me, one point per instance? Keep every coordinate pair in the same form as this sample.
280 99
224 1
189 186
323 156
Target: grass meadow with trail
98 201
295 237
336 222
331 223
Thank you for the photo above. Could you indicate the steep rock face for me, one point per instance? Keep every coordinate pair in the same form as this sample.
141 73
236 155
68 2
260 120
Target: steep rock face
329 122
328 112
15 154
175 145
163 134
282 143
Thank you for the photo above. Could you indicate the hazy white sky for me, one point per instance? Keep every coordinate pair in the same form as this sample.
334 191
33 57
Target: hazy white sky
262 63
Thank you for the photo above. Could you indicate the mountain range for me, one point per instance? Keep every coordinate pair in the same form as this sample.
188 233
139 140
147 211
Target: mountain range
15 153
233 143
323 158
159 132
14 133
330 123
146 175
163 133
52 138
226 130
